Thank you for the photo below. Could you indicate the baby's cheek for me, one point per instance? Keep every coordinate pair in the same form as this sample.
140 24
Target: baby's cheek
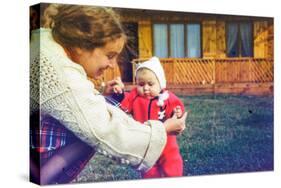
140 92
156 93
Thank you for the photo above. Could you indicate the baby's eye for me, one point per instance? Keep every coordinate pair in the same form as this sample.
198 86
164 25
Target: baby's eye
150 83
141 84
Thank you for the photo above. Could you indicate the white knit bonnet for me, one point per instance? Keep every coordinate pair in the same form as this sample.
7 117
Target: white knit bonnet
155 66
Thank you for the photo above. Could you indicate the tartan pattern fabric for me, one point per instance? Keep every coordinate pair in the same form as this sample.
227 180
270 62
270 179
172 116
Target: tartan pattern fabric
47 138
51 135
114 100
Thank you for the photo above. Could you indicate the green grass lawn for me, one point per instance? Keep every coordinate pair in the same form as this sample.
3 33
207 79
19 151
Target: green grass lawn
224 134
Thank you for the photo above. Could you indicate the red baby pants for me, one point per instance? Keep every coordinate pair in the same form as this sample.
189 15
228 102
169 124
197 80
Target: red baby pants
169 164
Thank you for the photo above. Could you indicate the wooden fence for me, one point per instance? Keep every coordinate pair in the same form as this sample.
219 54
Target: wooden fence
211 71
189 71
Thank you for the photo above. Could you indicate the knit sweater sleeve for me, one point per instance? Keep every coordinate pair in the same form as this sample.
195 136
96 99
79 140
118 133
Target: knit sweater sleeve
114 131
67 95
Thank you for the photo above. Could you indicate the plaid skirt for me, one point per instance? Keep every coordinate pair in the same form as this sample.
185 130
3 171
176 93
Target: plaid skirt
47 137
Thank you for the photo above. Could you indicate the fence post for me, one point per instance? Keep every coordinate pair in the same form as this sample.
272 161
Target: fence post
250 71
214 71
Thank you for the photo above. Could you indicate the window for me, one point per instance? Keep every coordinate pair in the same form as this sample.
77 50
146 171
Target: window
239 39
177 40
193 40
160 36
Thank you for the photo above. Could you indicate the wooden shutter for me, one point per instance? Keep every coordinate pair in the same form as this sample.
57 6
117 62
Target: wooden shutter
145 39
209 38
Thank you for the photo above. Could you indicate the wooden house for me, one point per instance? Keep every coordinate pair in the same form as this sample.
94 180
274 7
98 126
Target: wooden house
200 53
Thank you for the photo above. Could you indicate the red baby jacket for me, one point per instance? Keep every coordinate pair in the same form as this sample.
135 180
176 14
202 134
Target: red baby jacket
144 109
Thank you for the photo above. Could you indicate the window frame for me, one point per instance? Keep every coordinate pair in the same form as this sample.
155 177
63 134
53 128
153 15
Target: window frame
152 37
239 39
201 39
169 37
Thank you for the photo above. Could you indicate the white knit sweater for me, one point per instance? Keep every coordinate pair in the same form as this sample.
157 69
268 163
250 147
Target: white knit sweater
60 88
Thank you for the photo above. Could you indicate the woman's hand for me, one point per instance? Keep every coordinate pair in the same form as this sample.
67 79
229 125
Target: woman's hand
114 86
175 125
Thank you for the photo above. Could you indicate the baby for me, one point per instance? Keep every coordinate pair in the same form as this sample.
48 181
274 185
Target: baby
150 100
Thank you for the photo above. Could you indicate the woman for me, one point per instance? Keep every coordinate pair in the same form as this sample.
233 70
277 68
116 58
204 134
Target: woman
77 42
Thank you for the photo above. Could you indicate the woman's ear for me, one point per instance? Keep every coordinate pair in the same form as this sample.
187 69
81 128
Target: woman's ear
73 53
77 50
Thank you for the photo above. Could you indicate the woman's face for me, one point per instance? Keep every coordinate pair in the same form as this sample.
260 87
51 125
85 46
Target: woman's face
96 61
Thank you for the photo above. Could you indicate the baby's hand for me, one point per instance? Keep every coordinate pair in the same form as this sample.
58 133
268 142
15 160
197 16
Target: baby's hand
114 86
178 111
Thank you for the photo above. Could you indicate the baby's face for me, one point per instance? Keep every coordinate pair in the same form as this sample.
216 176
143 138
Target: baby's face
147 83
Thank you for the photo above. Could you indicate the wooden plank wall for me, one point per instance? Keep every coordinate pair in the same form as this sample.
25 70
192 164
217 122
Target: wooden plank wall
270 40
209 38
260 39
213 39
220 40
213 36
213 30
214 67
263 39
145 39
